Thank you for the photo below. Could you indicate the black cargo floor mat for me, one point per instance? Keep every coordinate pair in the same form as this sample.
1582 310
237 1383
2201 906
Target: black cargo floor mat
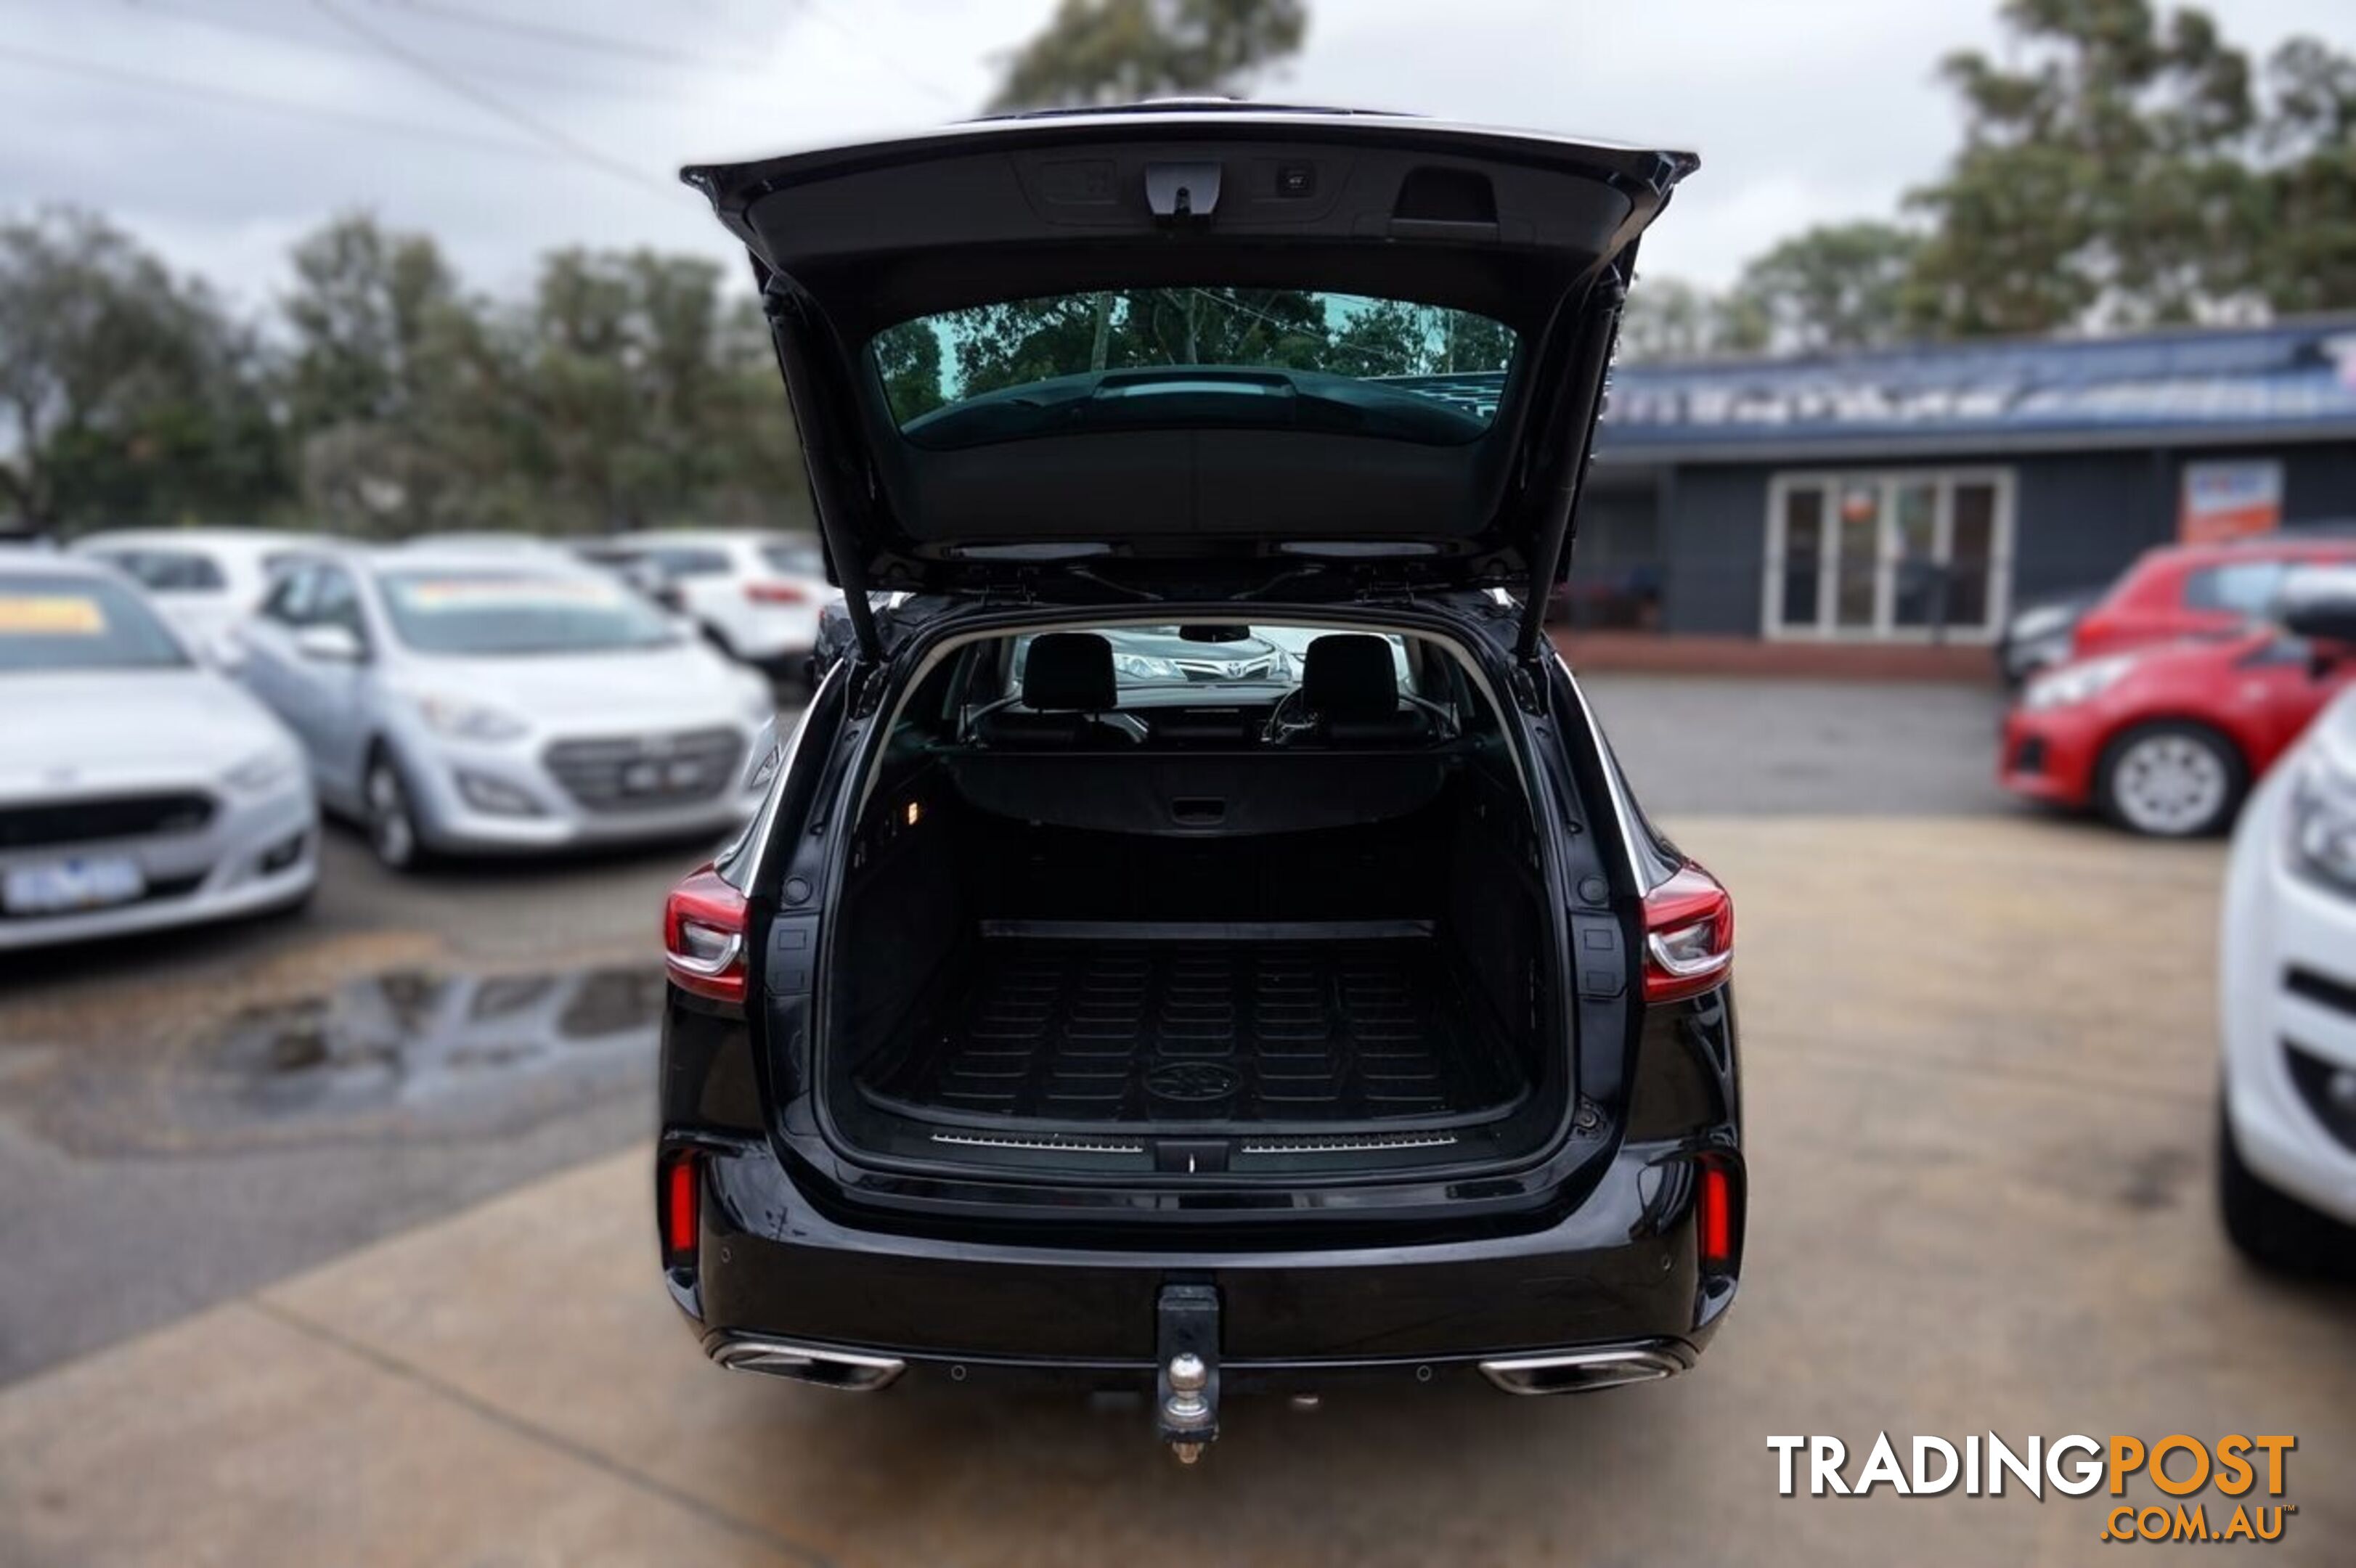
1251 1032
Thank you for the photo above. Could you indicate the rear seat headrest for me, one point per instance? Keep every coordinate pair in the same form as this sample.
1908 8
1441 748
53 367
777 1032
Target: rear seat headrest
1068 672
1350 675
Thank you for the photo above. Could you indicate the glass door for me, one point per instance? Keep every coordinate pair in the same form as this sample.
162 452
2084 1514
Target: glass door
1908 556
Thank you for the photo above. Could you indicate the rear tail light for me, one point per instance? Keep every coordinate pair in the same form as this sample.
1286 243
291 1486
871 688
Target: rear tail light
704 937
776 593
1718 1215
1688 936
682 1199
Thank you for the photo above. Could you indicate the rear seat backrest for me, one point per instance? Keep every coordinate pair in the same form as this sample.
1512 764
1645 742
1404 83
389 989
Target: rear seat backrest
1349 682
1067 686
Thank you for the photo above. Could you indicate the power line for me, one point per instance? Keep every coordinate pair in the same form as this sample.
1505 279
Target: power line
251 28
568 38
540 130
97 71
891 61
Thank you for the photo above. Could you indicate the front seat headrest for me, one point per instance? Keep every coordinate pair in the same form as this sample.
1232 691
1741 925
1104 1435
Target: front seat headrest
1068 672
1349 675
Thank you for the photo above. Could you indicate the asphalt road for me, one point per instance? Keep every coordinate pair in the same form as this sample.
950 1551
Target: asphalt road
186 1117
1695 745
1981 1203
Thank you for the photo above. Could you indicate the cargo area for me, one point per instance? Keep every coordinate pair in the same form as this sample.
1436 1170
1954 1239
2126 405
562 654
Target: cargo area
1194 950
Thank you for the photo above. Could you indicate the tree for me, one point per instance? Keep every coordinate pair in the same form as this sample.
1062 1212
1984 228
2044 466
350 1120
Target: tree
1114 51
2305 205
1670 318
1840 285
126 394
375 324
2102 179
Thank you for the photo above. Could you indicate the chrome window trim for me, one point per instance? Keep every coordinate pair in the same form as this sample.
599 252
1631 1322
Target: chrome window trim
1615 788
760 830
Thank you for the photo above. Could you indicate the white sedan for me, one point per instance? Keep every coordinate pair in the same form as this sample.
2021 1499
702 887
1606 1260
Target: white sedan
138 788
2288 1154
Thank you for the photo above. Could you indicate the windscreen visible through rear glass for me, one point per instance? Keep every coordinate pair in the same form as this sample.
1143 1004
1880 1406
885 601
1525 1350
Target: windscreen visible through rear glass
1378 354
57 623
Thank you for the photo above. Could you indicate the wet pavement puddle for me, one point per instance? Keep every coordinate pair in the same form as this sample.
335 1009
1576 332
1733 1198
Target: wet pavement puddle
405 1053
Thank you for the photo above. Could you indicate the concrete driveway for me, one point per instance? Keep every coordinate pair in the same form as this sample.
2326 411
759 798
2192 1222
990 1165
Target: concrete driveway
1980 1071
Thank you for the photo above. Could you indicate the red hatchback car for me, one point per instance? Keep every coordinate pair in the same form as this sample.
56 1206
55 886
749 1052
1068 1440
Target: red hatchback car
2190 590
2166 740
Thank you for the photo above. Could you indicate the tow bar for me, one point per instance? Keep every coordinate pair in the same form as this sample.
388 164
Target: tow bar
1186 1376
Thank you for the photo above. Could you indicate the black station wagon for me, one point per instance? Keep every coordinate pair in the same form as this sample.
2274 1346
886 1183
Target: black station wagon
1198 939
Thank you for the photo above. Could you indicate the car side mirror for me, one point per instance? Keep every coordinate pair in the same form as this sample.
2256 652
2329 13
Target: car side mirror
329 644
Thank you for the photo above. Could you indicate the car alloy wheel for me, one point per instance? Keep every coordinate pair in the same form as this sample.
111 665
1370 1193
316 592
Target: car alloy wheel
2171 781
392 827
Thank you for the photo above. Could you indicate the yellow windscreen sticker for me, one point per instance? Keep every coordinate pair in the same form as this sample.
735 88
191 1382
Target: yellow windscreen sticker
473 593
50 615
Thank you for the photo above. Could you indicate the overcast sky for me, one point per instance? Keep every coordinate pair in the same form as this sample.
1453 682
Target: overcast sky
220 130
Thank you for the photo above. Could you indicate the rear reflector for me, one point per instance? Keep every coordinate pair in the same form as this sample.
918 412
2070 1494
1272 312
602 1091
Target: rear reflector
1688 936
1714 1218
704 937
681 1197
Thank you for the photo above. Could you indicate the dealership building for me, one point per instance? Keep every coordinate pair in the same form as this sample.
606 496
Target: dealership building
1913 495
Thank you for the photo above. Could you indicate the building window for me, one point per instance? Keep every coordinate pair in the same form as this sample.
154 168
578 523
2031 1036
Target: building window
1913 555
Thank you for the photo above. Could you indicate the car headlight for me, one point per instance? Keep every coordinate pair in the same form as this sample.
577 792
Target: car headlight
2042 622
2321 838
467 720
2073 684
261 771
1145 666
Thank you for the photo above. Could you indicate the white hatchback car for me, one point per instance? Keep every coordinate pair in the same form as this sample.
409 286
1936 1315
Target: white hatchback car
138 788
481 701
755 594
204 580
2287 990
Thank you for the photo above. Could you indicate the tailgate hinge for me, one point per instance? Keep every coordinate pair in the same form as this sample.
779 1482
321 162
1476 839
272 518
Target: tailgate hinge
1529 691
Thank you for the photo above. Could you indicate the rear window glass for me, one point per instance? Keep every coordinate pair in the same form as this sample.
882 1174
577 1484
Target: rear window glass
1242 660
74 623
802 559
168 570
687 561
1294 356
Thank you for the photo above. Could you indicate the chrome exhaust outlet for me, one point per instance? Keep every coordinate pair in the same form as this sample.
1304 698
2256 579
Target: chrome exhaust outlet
1580 1372
849 1371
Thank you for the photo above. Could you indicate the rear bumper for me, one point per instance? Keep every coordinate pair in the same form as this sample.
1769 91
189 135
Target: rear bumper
1619 1273
1571 1370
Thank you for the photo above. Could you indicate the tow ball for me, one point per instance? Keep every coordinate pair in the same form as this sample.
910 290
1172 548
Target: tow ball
1186 1378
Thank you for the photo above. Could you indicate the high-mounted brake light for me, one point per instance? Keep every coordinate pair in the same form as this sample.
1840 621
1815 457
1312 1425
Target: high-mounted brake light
776 593
1688 936
704 937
